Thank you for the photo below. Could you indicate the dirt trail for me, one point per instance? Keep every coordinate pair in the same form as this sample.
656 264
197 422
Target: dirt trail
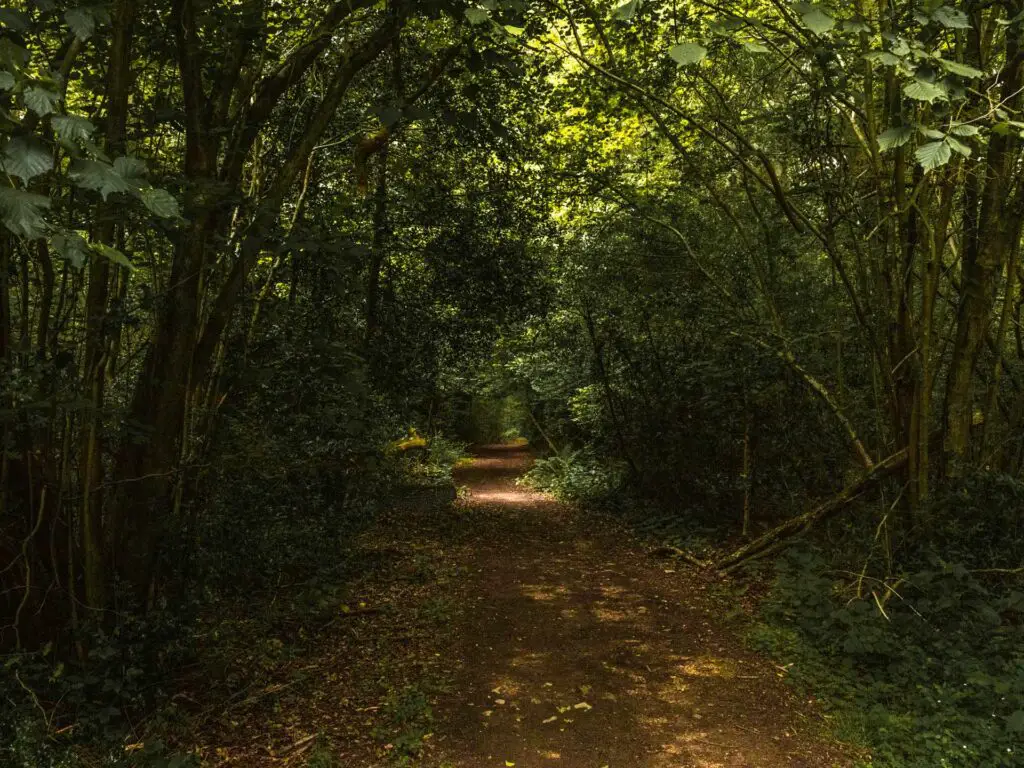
579 650
510 629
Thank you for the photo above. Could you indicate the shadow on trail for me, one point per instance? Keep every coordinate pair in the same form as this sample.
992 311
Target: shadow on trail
576 649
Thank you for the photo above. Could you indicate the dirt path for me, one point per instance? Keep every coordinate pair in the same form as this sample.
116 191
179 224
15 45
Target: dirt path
511 630
579 650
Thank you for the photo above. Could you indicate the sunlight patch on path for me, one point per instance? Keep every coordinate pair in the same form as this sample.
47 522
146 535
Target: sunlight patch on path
579 653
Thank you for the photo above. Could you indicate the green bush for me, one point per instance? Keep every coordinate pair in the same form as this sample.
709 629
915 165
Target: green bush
575 476
927 670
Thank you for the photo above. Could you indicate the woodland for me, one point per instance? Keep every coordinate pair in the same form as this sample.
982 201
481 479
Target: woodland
745 275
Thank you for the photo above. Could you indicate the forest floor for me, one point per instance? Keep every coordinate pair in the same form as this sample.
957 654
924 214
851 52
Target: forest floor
513 630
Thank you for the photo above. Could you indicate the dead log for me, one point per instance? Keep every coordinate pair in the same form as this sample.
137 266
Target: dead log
779 536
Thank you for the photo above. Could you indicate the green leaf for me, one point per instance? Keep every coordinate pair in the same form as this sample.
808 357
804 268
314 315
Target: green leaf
818 21
930 133
113 255
964 129
754 47
14 20
1015 722
12 56
93 150
933 155
26 158
130 168
71 247
514 31
81 22
924 91
884 58
99 177
160 202
855 26
895 137
958 146
477 15
72 127
7 80
688 53
22 212
956 68
42 101
1009 22
627 10
388 114
951 18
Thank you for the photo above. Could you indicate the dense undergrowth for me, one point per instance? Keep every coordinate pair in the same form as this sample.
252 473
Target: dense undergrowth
925 667
268 558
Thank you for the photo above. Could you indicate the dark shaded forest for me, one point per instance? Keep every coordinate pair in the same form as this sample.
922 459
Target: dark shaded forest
737 282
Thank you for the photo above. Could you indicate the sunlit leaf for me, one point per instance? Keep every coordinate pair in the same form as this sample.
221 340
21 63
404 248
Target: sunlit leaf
688 53
933 155
514 31
754 47
627 10
818 21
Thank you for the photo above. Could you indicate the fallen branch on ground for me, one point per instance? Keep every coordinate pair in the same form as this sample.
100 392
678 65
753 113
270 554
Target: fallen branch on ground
669 551
777 537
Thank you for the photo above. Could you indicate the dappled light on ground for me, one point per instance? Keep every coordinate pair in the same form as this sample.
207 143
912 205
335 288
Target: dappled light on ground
498 497
577 650
528 634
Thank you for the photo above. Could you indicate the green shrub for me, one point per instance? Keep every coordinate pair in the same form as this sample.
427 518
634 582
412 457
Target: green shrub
576 476
927 670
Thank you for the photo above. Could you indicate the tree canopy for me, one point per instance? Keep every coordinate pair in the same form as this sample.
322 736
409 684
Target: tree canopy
752 264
